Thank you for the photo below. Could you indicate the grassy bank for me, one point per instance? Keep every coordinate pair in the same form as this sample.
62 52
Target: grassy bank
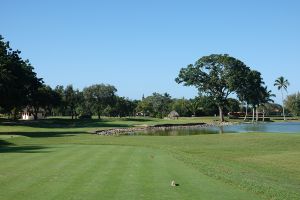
57 159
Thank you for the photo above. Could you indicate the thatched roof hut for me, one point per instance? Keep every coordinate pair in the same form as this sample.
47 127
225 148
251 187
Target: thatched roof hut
173 115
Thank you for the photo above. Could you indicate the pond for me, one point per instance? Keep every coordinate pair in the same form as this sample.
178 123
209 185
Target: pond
271 127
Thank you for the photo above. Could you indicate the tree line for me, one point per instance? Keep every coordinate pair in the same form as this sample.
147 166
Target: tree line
216 77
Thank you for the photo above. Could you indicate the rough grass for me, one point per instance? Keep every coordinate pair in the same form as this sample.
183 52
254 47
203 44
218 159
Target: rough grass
60 161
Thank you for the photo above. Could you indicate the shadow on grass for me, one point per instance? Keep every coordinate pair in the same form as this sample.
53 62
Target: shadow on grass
42 134
8 147
66 123
137 119
5 143
22 149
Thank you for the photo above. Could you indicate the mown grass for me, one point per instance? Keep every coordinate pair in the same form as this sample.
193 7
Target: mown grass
60 160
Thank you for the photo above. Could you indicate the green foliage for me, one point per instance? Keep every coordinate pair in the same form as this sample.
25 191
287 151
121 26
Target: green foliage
181 107
157 105
73 98
270 108
292 103
215 75
282 84
123 107
252 87
232 105
42 97
17 79
99 96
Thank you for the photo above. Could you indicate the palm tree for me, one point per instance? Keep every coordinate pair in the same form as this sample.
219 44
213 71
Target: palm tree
282 84
266 97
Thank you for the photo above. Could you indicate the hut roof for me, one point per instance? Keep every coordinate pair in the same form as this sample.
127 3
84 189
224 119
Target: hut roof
173 114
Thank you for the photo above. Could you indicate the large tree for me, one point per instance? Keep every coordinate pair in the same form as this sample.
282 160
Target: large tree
72 100
282 84
251 91
181 106
265 98
217 75
99 96
43 97
17 79
292 103
123 107
157 105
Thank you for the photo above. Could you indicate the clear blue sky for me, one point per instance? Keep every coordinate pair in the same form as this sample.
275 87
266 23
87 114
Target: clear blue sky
140 46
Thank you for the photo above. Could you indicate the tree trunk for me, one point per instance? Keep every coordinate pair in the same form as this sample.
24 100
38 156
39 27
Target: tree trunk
283 111
246 114
221 114
14 114
263 114
35 113
257 114
253 113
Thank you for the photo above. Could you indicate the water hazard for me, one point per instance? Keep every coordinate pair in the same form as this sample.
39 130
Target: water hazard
272 127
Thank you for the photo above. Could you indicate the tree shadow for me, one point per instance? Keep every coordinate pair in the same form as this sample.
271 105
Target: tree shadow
138 119
8 147
22 149
42 134
64 123
5 143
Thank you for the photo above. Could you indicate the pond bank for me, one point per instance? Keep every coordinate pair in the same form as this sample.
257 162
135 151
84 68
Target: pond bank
124 131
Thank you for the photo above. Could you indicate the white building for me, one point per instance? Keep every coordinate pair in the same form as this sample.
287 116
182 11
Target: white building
26 115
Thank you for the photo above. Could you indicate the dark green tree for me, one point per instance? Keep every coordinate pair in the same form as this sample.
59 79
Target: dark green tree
72 100
250 91
123 107
161 104
17 79
292 103
181 107
99 96
42 97
216 75
232 105
265 98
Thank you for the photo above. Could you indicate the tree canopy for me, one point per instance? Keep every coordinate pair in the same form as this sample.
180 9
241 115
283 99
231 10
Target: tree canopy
217 75
18 81
99 96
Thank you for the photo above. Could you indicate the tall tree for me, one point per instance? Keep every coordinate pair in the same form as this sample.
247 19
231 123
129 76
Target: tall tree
265 98
181 106
194 105
144 106
217 75
282 84
249 90
17 79
292 103
72 99
123 107
99 96
157 105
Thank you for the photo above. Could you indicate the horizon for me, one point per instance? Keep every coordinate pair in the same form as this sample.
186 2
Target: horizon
146 44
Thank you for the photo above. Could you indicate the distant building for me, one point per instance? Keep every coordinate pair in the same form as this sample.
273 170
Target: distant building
173 115
146 114
28 115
